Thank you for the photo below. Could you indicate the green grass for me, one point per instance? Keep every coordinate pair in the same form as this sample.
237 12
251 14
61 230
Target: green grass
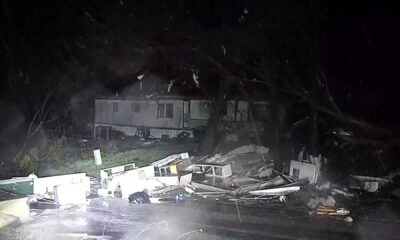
141 157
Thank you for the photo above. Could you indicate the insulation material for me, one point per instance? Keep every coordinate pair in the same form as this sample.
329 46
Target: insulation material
173 169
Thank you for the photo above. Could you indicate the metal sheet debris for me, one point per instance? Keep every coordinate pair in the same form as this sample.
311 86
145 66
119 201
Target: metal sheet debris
107 174
275 191
213 170
19 185
304 170
45 187
70 194
369 184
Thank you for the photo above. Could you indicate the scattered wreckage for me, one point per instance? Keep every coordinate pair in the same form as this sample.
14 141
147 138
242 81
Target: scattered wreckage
19 195
244 176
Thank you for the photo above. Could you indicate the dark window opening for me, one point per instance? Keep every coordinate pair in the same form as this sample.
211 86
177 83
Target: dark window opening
115 107
135 107
169 110
218 171
156 172
208 170
161 110
129 167
296 173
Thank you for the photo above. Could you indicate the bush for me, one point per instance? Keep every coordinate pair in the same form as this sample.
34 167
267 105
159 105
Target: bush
30 162
56 151
109 147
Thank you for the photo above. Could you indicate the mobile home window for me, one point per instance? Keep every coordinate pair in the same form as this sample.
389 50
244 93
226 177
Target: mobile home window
161 109
115 107
296 173
128 167
169 110
135 107
218 171
165 110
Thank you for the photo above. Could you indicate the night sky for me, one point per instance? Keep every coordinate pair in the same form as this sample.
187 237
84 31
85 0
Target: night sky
79 45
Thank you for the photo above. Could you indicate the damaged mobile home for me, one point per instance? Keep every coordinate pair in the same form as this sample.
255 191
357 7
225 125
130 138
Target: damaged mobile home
125 180
171 116
68 189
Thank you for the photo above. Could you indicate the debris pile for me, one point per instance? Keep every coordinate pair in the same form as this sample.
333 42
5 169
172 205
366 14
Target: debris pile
244 176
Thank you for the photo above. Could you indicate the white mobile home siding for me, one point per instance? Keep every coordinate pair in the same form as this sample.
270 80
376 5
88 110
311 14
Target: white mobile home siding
128 116
147 115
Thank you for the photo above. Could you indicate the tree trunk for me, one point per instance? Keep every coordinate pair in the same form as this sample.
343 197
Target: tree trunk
314 133
274 127
210 139
314 117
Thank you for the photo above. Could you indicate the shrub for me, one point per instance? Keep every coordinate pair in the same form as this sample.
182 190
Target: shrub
30 162
109 146
56 151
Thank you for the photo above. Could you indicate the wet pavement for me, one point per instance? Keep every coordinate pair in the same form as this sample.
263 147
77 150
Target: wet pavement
118 219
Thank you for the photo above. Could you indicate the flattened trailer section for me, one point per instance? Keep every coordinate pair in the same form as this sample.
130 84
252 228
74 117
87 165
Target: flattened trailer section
19 185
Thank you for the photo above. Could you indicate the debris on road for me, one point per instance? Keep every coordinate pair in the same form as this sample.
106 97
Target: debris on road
46 187
321 210
369 184
139 198
279 191
327 202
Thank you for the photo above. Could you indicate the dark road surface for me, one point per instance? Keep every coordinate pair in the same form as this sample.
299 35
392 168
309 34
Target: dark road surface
121 220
